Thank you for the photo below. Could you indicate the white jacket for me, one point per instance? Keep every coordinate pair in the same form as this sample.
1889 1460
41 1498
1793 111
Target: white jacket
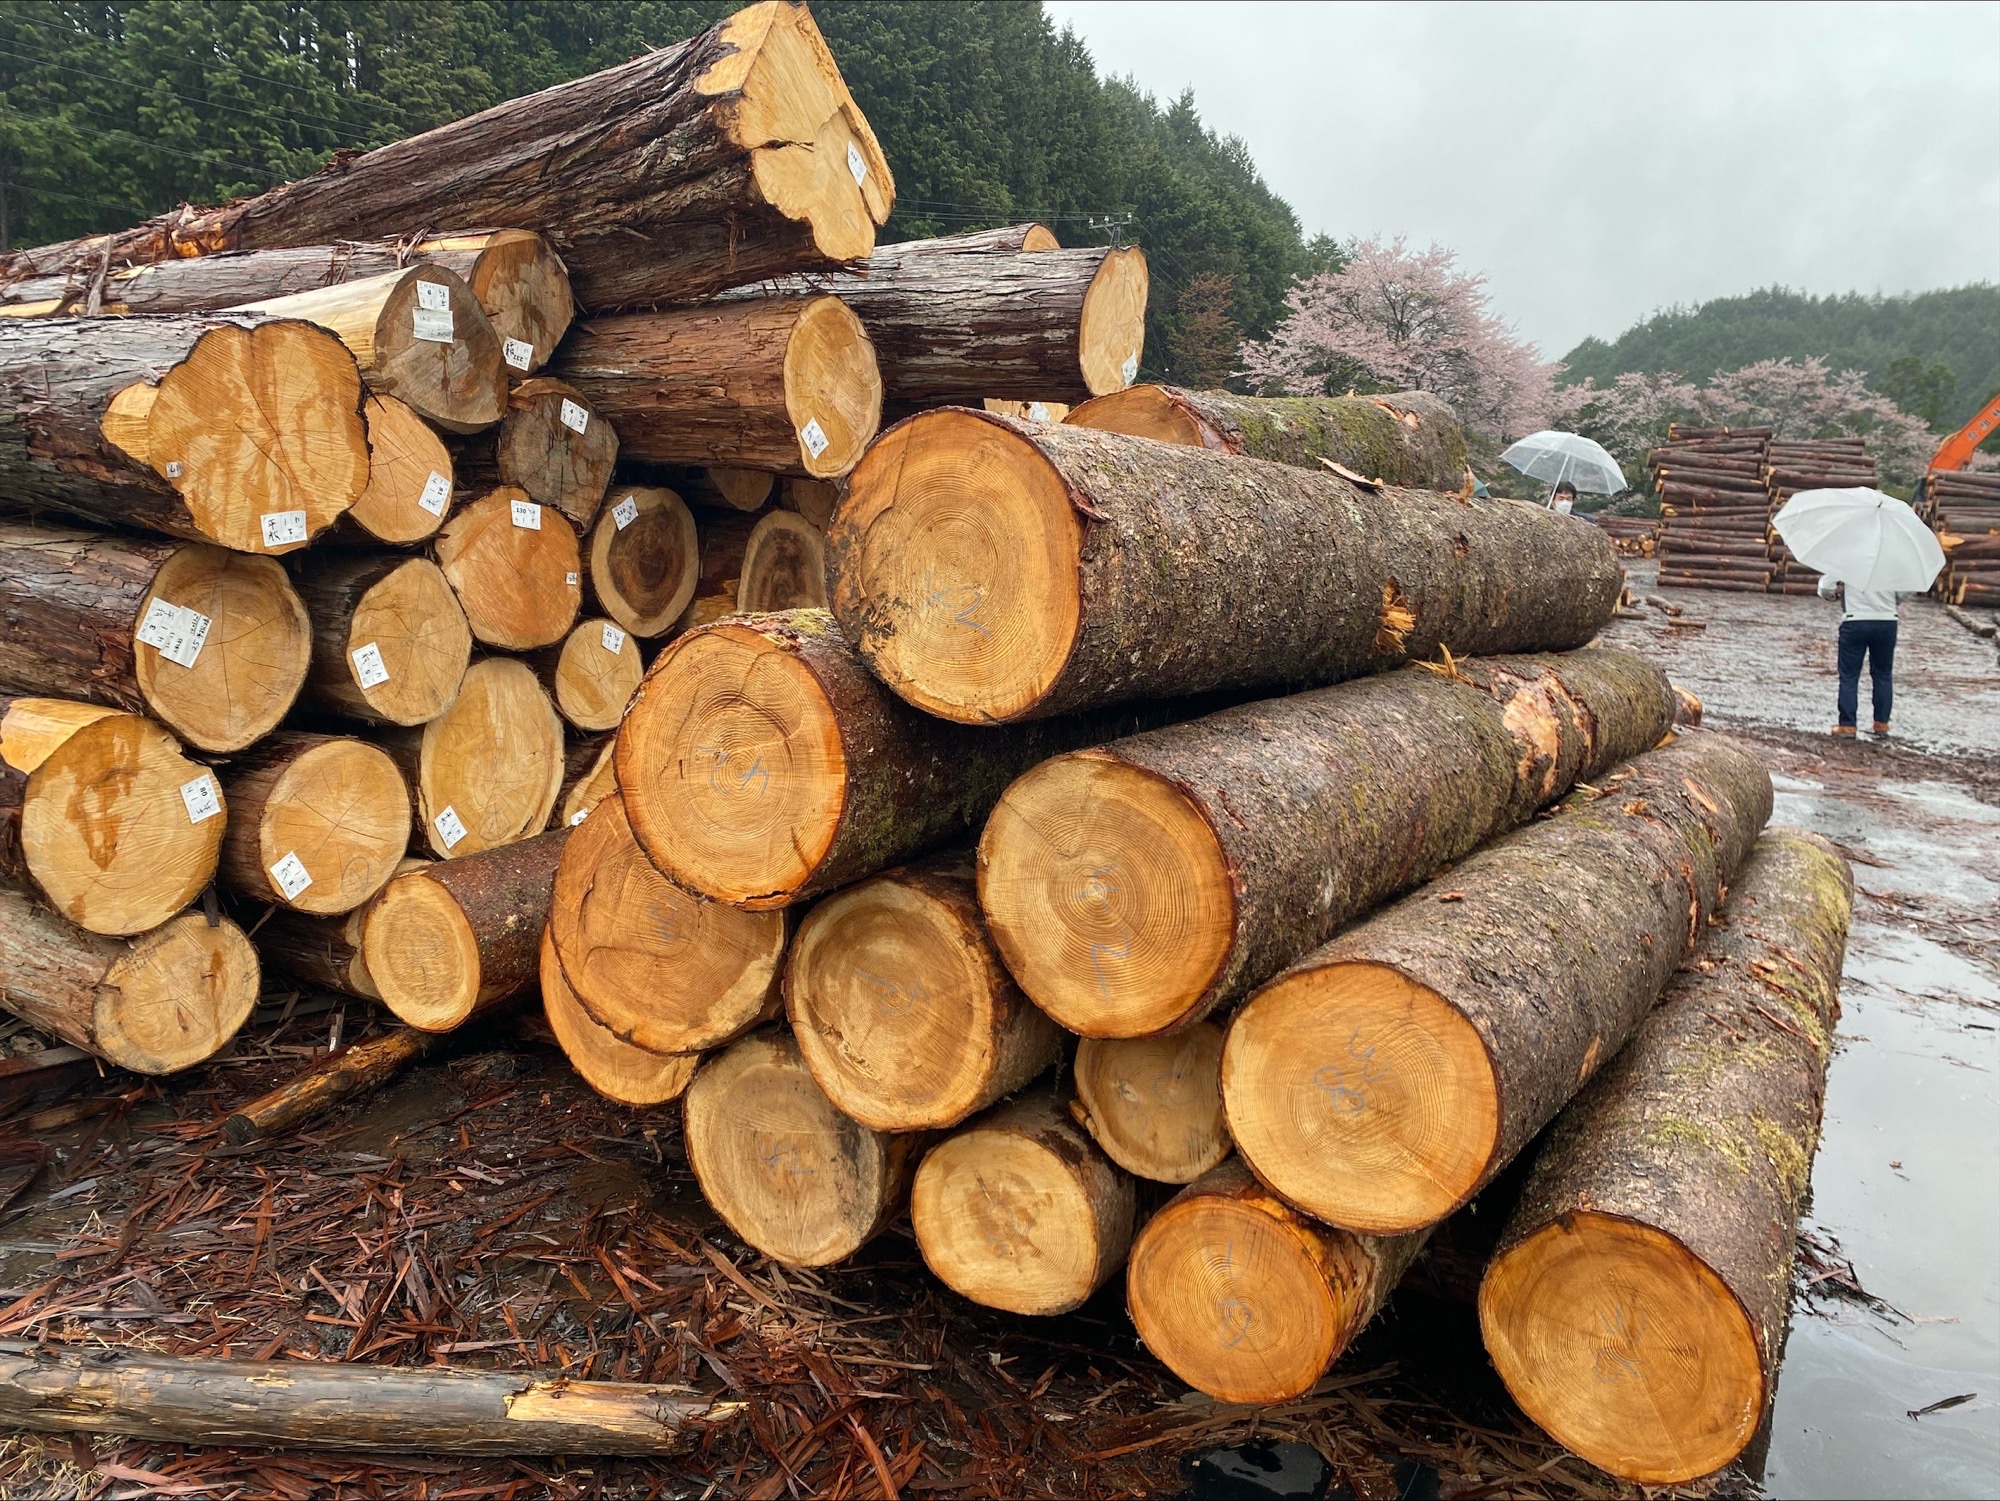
1861 604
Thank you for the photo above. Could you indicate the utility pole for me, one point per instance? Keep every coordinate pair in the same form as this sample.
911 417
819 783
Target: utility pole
1113 225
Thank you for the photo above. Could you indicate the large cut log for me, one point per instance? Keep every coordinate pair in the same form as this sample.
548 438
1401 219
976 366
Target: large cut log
992 570
1139 885
592 674
1155 1103
1246 1299
390 642
316 822
1020 1211
1386 1077
233 429
761 763
324 951
516 568
410 476
331 1081
1015 237
458 935
1411 438
213 643
305 1404
606 1062
783 384
101 810
784 566
645 556
725 159
656 967
783 1168
903 1010
161 1002
1637 1307
556 449
814 499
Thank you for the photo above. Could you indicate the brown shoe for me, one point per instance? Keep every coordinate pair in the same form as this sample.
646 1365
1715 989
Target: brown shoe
1882 729
1843 732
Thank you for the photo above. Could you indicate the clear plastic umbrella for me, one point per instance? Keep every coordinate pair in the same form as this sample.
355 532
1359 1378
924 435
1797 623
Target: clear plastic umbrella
1553 457
1863 538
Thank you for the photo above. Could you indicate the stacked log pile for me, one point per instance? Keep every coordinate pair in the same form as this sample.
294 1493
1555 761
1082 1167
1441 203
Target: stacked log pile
1810 464
1715 514
1963 507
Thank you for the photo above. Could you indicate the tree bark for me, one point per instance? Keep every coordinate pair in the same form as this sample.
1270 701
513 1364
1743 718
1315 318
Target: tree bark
558 450
72 605
316 822
1385 1077
460 935
1138 886
90 426
783 384
992 570
410 477
517 569
784 566
604 1061
325 951
1661 1212
406 611
592 675
327 1084
1411 438
902 1009
786 1171
1155 1103
645 557
1020 1211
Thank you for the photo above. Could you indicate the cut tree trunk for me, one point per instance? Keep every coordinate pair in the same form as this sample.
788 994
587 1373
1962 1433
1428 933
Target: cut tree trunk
784 566
1411 438
72 605
1014 237
645 557
516 568
1155 1103
1137 886
1637 1307
783 384
252 438
325 951
410 476
903 1010
992 570
722 488
783 1168
328 1083
725 540
590 775
1246 1299
164 1001
1386 1077
459 935
731 157
591 676
658 968
604 1061
813 499
1020 1211
316 822
390 643
553 446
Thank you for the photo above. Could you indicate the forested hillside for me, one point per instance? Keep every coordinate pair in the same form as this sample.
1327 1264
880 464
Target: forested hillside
1936 354
110 112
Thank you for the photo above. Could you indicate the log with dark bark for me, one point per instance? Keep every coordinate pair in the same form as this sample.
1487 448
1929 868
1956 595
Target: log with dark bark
390 642
1019 1210
517 569
553 446
329 1082
1246 1299
1637 1307
316 822
784 566
1411 438
1385 1077
410 476
645 557
605 1061
992 570
903 1010
788 385
734 156
459 935
233 429
1155 1103
1137 886
75 609
783 1168
592 674
324 951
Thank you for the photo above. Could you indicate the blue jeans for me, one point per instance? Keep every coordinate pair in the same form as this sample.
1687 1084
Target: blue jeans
1875 639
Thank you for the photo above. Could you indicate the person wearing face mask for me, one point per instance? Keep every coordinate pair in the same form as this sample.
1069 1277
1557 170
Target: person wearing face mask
1564 499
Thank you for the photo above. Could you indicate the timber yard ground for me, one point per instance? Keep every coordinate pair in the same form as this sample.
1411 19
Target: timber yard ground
489 1210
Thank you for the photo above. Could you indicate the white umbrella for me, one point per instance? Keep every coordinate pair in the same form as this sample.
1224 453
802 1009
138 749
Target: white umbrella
1553 457
1862 538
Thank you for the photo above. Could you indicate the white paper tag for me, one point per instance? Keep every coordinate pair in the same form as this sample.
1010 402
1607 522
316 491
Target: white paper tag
574 417
450 830
614 640
856 164
1038 412
369 668
437 494
527 515
572 578
625 512
578 817
290 873
434 295
814 437
429 324
201 799
1130 369
518 354
283 527
174 631
175 469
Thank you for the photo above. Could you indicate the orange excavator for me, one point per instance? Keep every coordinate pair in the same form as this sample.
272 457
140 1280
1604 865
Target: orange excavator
1956 451
1964 509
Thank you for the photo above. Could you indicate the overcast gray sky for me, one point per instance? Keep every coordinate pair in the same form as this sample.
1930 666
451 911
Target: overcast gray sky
1599 162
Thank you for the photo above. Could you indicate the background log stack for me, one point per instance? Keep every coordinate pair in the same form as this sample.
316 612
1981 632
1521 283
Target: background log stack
1810 464
1715 512
1963 507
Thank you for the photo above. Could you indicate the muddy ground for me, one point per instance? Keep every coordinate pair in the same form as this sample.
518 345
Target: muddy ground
489 1211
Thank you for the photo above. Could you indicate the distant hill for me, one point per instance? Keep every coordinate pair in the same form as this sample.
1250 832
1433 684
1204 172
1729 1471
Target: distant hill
1902 342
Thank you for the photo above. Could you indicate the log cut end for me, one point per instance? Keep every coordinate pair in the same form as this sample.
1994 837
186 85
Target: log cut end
784 566
33 729
958 566
338 818
1361 1096
833 388
645 558
177 996
1148 411
489 769
609 1065
553 446
410 475
1108 894
739 489
522 285
1625 1347
516 568
421 644
1155 1103
251 660
589 785
422 954
595 673
1040 237
1112 334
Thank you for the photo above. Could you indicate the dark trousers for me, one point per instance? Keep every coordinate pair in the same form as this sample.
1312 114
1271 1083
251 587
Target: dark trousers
1876 640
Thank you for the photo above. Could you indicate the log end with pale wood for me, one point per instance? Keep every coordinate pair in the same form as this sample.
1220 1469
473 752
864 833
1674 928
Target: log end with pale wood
488 769
516 568
1155 1103
520 282
390 642
556 449
645 557
592 674
608 1064
316 822
784 566
590 775
410 475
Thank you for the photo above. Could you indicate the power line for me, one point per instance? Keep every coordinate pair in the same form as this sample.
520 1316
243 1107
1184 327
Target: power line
195 156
